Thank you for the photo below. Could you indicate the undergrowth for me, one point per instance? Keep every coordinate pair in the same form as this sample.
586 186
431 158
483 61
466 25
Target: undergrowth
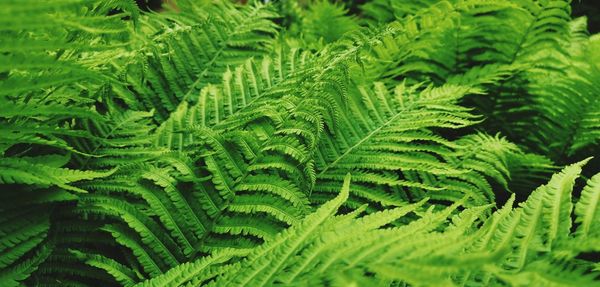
299 143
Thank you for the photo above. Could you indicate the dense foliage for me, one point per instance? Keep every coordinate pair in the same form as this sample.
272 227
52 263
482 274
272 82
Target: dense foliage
385 143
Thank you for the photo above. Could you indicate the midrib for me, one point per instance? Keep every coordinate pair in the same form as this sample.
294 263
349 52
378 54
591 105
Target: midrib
359 143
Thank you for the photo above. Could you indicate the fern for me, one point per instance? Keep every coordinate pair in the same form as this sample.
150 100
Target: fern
466 251
310 143
200 43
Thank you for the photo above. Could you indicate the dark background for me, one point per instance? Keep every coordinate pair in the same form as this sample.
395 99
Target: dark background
589 8
149 4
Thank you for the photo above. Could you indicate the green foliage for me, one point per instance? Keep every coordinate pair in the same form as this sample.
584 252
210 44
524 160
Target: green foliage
308 143
512 246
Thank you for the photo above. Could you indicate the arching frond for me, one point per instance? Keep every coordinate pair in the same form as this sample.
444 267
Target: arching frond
587 208
386 141
323 23
327 248
191 49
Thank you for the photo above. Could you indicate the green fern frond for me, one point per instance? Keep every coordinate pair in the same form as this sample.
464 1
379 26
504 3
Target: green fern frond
472 249
14 275
587 208
325 22
390 145
24 172
201 43
122 274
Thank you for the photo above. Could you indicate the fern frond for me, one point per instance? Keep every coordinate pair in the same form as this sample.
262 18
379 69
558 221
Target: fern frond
325 22
587 208
14 275
201 43
122 274
151 234
390 145
438 247
233 103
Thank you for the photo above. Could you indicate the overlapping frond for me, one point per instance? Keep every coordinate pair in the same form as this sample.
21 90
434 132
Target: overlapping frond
46 82
206 144
219 177
191 49
387 141
440 247
587 208
569 106
543 82
49 75
325 22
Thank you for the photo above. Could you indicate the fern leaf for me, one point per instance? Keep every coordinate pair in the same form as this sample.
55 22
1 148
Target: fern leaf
587 208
